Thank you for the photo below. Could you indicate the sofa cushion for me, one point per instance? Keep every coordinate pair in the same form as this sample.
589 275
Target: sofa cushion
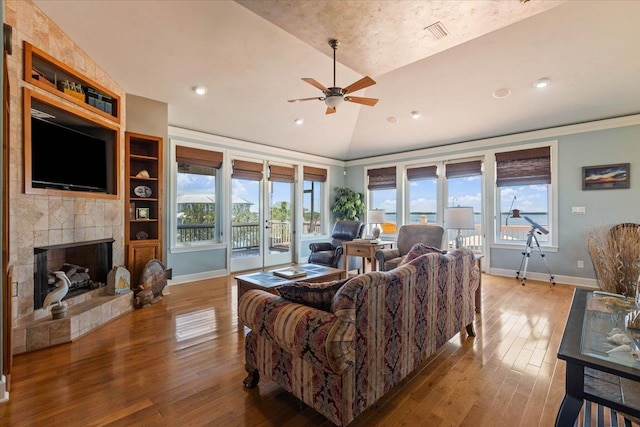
417 250
317 295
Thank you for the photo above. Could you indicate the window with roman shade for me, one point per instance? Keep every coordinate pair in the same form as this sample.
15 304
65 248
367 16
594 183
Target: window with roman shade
523 167
281 173
424 172
197 216
462 169
312 199
246 170
382 178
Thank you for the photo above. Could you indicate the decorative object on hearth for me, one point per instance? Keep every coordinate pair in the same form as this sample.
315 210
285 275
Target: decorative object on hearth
615 253
143 174
55 297
333 96
153 280
460 218
142 191
118 281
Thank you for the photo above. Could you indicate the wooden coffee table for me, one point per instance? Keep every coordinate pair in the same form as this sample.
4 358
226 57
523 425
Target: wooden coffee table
267 281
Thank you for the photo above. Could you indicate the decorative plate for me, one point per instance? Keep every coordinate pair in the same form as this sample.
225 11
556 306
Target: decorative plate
142 191
141 235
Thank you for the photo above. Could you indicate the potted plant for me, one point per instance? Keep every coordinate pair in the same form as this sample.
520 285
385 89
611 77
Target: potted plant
348 205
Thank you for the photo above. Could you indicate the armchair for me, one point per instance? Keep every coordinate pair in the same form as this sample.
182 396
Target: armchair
409 235
330 253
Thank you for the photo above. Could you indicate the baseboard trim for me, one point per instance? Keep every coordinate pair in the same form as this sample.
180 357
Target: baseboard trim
186 278
543 277
4 394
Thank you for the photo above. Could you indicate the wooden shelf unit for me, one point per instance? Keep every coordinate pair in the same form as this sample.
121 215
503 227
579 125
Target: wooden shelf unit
142 153
47 73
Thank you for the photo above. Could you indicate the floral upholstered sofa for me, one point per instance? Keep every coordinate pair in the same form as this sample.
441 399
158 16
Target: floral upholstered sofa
368 334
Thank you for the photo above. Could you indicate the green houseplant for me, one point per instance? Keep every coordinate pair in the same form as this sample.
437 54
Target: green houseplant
348 204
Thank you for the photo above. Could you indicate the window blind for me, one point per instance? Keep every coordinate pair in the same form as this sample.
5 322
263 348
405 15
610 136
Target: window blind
198 157
523 167
315 174
382 178
247 170
424 172
281 173
458 170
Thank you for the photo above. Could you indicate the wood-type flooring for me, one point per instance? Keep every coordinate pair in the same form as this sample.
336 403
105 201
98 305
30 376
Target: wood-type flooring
180 362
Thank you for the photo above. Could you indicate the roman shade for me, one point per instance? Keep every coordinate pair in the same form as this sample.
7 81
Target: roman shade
523 167
281 173
382 178
462 169
198 157
424 172
315 174
247 170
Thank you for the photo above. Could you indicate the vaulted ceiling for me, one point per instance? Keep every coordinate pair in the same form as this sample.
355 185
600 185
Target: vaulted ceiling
251 55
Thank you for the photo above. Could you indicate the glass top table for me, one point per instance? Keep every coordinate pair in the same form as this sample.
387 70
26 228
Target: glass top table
598 368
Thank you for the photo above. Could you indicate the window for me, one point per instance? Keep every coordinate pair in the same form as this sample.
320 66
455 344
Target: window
523 178
464 188
312 192
196 210
422 191
382 195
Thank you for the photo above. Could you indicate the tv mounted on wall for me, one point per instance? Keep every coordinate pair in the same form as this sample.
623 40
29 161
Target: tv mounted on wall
67 159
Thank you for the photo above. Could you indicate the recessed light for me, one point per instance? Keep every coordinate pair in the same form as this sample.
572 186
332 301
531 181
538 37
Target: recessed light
298 121
392 119
501 93
415 114
200 90
543 82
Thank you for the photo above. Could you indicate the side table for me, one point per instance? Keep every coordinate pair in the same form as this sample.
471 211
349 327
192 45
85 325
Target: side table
364 250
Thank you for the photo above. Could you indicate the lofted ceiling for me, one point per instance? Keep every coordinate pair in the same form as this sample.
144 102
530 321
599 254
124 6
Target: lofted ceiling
251 56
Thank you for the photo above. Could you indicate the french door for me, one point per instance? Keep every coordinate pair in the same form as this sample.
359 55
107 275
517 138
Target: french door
261 215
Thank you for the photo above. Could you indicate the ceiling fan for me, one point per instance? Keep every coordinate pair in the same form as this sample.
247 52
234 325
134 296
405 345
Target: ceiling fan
334 96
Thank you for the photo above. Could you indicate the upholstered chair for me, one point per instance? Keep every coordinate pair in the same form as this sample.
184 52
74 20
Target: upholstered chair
330 253
409 235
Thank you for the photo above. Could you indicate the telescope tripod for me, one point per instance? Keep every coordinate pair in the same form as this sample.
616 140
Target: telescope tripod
531 237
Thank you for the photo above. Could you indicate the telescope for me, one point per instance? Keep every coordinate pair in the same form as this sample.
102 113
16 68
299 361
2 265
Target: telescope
536 226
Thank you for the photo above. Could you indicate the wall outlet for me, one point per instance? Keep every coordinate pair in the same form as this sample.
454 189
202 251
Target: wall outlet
580 263
578 210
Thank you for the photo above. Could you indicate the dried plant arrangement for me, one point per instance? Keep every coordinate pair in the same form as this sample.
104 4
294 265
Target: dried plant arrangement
615 254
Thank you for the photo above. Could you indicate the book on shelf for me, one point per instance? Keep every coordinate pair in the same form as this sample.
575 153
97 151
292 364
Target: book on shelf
290 273
367 240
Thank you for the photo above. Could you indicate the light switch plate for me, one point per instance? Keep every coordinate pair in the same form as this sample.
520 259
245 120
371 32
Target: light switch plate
578 210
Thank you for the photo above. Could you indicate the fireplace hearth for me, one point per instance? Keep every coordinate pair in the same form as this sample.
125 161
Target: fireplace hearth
88 261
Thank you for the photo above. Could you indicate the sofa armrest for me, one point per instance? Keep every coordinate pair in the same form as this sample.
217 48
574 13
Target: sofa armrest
320 246
315 335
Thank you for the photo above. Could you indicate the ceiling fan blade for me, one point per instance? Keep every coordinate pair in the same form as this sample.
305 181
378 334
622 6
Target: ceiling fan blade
306 99
331 110
360 84
314 83
360 100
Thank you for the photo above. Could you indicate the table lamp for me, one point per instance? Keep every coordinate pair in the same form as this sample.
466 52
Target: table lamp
460 218
375 217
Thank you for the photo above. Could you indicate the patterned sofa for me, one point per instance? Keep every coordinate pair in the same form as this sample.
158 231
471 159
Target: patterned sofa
378 328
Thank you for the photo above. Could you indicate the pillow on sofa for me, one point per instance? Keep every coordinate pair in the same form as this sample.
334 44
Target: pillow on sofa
317 295
417 250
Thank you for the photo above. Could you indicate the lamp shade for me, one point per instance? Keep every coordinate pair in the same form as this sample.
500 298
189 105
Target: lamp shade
375 216
459 218
333 100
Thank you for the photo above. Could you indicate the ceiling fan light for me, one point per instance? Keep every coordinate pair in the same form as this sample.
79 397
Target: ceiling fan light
333 100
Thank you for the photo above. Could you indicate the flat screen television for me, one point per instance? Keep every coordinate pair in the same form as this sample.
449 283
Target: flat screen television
67 159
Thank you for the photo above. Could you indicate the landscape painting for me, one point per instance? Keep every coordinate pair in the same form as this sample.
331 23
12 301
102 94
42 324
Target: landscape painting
605 177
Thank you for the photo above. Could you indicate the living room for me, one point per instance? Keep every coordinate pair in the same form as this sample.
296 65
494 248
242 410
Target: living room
39 220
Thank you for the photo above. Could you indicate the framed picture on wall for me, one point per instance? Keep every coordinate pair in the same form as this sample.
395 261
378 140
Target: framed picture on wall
605 177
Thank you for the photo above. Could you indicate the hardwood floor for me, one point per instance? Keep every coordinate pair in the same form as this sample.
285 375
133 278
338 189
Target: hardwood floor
180 362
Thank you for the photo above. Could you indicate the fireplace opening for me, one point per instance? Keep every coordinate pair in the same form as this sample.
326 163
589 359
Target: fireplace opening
85 263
